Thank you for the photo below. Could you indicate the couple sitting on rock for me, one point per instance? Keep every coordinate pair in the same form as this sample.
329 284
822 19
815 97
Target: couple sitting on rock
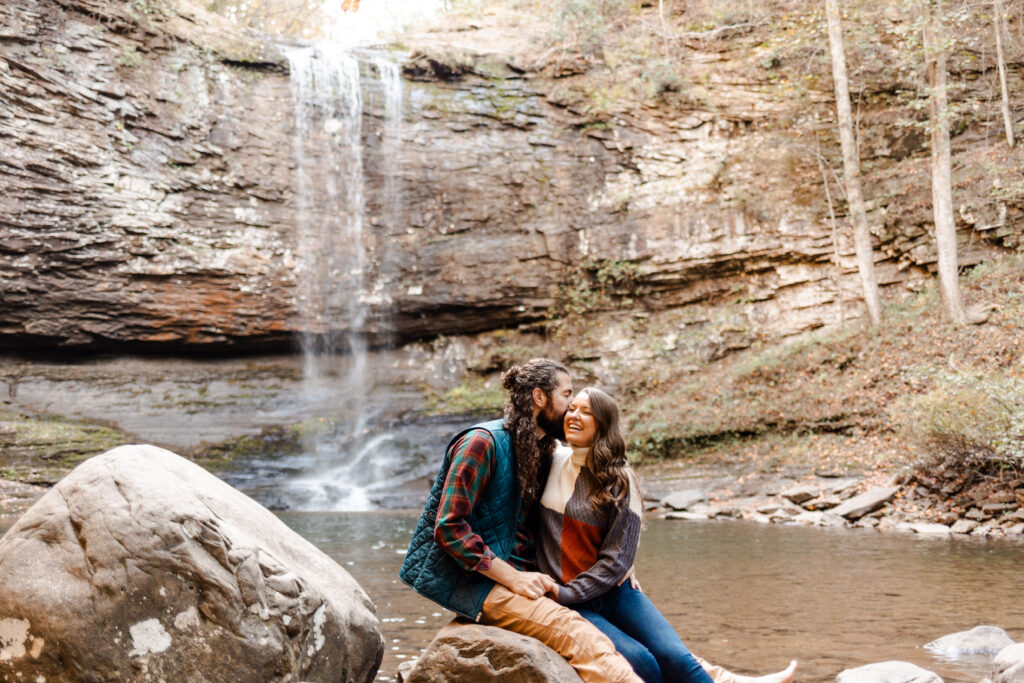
526 535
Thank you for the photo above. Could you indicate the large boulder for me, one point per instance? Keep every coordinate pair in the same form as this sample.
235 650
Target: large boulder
980 640
888 672
1008 666
140 565
463 652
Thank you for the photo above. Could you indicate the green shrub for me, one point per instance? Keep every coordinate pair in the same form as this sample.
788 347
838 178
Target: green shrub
967 421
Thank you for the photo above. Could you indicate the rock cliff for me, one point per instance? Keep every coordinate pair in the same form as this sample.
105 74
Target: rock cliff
149 190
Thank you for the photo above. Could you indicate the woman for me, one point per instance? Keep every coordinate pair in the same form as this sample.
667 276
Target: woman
591 515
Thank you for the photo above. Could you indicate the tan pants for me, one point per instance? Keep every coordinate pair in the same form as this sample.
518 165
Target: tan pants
588 650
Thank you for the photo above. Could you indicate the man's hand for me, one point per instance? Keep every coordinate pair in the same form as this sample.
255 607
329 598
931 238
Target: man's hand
528 584
534 585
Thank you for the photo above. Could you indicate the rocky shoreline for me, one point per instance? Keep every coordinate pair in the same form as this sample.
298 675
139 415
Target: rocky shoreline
884 502
148 530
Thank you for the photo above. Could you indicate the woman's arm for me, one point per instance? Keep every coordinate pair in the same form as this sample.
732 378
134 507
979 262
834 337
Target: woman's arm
615 556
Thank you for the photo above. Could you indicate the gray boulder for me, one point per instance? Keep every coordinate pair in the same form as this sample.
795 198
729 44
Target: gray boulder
888 672
464 652
140 565
980 640
1008 666
869 501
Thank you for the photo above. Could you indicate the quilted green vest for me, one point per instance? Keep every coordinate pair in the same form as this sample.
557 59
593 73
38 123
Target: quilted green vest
431 571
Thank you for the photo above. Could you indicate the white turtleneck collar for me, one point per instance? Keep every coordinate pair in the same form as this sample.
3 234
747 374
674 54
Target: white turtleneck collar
579 455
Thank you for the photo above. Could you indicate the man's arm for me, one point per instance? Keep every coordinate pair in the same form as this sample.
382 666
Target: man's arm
468 474
467 479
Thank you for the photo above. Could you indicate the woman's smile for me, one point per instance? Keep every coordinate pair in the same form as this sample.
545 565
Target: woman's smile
580 425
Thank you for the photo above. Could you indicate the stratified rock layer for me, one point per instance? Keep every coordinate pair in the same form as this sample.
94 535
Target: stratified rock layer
149 194
140 565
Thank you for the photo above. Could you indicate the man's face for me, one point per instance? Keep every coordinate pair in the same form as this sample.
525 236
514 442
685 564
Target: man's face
551 418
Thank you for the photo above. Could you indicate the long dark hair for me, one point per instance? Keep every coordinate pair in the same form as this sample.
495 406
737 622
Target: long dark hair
607 457
531 453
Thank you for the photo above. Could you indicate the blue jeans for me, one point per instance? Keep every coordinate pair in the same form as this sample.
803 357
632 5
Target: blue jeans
643 636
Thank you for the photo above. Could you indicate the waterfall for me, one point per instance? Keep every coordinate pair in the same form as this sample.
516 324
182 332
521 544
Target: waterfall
342 463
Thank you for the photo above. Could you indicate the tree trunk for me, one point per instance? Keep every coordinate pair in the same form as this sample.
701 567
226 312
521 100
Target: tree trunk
851 166
999 19
942 175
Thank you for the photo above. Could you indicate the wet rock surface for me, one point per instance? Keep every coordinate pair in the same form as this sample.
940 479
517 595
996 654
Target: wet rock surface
888 672
164 571
980 640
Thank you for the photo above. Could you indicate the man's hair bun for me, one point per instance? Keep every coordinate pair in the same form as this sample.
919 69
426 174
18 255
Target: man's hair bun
508 380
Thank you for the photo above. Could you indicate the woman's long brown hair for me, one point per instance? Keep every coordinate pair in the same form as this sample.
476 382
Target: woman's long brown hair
607 457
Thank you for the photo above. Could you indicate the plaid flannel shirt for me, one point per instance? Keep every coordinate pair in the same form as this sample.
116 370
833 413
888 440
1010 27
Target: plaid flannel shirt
472 458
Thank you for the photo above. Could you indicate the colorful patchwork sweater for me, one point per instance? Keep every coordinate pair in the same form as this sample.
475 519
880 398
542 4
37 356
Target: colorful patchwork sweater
587 549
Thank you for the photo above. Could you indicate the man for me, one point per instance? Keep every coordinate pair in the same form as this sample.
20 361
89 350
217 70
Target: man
473 549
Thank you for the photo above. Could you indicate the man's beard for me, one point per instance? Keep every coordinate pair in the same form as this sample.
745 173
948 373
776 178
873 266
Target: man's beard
553 426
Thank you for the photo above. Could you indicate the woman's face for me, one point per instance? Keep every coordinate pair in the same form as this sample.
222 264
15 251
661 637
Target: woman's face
580 425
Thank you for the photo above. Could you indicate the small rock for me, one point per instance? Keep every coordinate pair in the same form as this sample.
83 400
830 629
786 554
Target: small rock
1019 514
1015 530
759 518
867 523
689 516
823 503
832 519
949 518
888 672
801 494
842 487
929 529
964 526
980 640
887 524
858 506
982 530
807 517
722 511
993 508
682 500
1008 666
1002 497
975 514
785 509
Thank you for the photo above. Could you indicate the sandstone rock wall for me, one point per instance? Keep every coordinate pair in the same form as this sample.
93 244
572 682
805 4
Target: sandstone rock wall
149 201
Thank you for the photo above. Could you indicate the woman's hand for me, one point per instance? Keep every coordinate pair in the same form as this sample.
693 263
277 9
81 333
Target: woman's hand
633 581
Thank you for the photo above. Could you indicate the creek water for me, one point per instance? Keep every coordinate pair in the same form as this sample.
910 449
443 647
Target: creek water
742 595
747 596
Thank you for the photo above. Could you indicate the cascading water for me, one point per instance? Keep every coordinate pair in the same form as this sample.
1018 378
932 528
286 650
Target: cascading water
350 460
